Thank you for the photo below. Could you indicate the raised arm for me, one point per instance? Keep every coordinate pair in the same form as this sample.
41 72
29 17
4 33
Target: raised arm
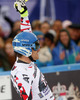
25 23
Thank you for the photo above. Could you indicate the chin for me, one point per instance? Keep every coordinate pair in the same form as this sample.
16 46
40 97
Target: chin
37 57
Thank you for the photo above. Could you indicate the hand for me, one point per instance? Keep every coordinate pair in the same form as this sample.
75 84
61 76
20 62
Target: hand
17 5
26 0
21 8
62 55
78 57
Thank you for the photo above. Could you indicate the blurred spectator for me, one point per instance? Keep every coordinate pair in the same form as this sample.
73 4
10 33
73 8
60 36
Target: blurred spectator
36 25
45 27
49 40
45 56
79 38
66 24
66 51
52 32
10 52
1 32
1 43
74 32
15 29
17 32
16 26
4 65
57 26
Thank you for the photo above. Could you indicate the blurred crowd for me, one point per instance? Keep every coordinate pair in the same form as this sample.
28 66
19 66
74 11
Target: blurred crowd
59 43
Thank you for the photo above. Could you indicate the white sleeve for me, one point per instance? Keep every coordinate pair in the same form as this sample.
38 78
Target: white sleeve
25 25
23 85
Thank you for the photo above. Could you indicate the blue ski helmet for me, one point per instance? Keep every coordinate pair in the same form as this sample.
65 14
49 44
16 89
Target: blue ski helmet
24 42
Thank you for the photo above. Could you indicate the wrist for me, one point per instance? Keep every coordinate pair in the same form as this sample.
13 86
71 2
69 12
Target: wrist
24 12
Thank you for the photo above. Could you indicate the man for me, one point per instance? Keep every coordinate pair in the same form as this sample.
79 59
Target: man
36 24
45 27
25 75
57 26
74 30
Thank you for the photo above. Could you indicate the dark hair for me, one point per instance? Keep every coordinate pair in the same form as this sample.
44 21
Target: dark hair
64 30
45 22
49 36
58 20
18 55
36 23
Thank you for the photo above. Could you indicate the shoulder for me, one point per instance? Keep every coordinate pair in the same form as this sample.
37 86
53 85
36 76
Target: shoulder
73 44
22 69
56 47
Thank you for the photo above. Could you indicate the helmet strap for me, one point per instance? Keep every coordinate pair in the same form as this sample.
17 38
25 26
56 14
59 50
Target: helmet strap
30 57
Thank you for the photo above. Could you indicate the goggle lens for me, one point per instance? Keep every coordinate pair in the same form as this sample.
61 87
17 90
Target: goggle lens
37 46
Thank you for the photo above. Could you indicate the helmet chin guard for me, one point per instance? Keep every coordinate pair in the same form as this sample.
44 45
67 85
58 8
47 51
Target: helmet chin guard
24 42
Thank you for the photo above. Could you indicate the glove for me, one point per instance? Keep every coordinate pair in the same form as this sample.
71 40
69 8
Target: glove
21 8
26 0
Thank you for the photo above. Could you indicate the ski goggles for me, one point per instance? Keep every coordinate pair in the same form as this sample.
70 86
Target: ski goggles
35 46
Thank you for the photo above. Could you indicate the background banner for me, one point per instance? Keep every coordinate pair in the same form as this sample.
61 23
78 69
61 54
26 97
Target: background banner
45 9
5 88
64 81
65 85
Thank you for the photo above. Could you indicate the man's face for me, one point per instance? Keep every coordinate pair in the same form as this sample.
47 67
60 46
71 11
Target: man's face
57 26
35 54
64 38
74 33
45 28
